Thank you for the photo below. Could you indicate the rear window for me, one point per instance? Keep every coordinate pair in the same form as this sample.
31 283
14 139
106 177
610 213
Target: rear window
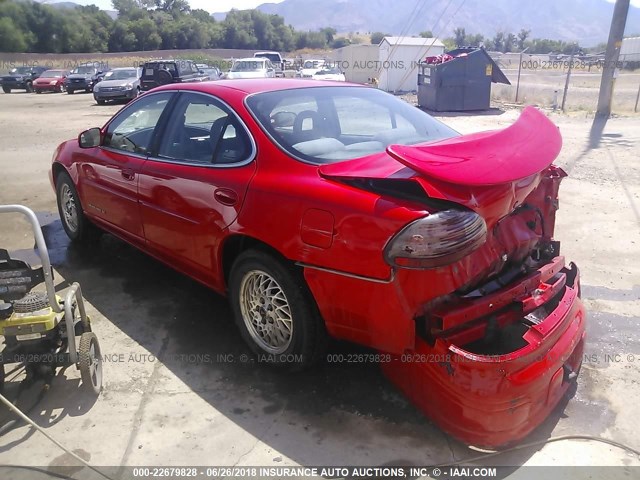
332 124
274 57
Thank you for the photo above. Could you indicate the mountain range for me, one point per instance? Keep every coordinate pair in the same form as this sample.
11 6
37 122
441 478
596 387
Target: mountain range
585 21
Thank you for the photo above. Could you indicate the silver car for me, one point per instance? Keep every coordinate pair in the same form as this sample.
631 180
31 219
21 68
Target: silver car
118 84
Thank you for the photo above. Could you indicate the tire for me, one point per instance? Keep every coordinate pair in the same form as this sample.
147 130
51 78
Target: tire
297 339
90 363
100 102
38 91
6 89
164 77
69 92
29 87
75 223
62 88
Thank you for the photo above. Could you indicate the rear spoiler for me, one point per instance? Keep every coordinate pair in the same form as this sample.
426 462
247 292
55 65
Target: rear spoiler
523 149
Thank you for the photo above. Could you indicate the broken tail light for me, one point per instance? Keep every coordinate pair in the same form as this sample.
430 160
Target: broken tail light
439 239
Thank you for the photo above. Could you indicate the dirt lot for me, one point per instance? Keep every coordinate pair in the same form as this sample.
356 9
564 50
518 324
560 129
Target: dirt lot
179 390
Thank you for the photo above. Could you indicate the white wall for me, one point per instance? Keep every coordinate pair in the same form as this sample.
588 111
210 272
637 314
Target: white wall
630 50
358 62
400 70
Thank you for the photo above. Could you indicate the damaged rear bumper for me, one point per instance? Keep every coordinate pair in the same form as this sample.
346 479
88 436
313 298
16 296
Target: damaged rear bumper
492 399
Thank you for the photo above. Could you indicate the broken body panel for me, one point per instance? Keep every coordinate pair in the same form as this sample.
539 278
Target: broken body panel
487 345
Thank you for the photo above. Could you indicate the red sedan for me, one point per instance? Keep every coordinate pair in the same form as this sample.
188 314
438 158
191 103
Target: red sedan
50 81
339 210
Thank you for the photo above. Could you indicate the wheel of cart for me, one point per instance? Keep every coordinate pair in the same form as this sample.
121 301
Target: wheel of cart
42 326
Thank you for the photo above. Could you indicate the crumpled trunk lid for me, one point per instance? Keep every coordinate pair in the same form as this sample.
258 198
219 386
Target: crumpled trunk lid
489 172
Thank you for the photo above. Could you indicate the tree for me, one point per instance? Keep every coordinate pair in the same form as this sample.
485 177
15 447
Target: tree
340 42
330 33
460 36
509 42
498 41
522 38
376 37
146 33
12 39
426 34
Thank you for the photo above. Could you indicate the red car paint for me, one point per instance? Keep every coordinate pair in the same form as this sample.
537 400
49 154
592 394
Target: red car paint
323 219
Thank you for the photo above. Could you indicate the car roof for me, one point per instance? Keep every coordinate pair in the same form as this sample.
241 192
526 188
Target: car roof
124 68
256 85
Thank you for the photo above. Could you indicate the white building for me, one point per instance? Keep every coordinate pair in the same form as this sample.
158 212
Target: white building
359 62
630 49
398 59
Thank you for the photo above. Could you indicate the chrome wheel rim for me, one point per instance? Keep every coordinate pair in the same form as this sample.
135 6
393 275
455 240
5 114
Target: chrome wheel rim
69 208
266 312
95 366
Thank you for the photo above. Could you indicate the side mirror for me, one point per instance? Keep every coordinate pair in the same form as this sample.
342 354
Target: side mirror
90 138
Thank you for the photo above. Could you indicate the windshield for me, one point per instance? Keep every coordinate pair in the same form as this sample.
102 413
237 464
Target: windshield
248 66
53 74
20 70
275 58
332 124
329 71
83 70
121 74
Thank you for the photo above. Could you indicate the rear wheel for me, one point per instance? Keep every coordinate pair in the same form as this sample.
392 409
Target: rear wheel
76 225
6 89
70 92
29 87
62 88
100 101
90 363
275 311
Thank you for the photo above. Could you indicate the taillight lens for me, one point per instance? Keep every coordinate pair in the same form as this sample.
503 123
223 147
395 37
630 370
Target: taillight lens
436 240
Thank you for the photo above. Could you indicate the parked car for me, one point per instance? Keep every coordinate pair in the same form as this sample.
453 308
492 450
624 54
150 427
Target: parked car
83 77
310 67
21 78
163 72
251 68
118 84
212 73
50 81
334 74
338 209
276 60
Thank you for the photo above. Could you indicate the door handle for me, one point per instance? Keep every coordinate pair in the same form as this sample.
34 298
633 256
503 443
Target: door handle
128 174
226 196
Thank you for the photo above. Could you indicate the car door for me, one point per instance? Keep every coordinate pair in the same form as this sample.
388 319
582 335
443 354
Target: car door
192 188
109 181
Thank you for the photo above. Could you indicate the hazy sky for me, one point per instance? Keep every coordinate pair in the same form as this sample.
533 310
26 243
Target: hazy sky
212 6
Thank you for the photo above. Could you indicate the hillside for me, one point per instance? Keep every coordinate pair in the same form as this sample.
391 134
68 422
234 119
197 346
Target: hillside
586 21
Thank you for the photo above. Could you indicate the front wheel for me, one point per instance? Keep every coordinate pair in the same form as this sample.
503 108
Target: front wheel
29 87
69 92
62 88
76 225
6 89
275 311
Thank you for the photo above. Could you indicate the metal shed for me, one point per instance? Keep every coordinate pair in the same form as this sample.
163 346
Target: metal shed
460 84
398 59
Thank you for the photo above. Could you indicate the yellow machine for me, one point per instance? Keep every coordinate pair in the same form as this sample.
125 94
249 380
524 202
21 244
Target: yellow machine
39 327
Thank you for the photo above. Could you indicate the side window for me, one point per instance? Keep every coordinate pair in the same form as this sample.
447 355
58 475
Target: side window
132 130
203 131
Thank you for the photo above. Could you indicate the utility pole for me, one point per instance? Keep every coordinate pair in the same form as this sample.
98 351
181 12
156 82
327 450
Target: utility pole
612 54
